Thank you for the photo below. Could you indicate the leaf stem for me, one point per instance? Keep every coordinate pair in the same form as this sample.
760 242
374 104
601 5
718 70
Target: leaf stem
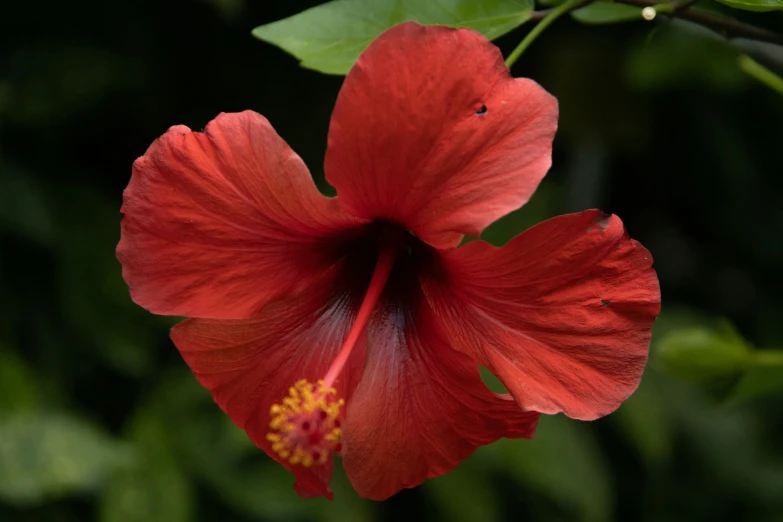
753 68
545 22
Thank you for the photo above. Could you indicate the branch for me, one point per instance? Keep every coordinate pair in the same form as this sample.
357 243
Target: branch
761 73
539 28
727 26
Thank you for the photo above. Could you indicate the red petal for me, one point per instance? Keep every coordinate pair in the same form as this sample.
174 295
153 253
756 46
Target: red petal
421 407
562 314
218 223
248 365
431 131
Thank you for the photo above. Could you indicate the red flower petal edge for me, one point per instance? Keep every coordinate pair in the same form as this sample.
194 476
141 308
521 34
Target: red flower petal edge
208 216
431 131
561 314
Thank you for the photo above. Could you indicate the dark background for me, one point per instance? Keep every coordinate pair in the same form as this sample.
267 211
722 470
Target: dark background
101 420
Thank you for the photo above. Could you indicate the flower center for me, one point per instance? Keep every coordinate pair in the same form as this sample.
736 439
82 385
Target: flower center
305 426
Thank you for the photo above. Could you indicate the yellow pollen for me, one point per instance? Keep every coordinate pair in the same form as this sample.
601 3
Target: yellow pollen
305 426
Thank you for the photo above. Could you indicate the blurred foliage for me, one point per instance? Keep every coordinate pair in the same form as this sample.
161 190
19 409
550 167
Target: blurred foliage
755 5
47 454
709 60
607 13
721 361
710 358
101 420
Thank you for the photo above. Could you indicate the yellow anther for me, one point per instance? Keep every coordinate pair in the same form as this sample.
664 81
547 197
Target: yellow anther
305 425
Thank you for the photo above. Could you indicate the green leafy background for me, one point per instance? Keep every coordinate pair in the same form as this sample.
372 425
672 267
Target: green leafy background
101 420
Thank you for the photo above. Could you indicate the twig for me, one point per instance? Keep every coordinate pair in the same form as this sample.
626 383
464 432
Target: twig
761 73
539 28
727 26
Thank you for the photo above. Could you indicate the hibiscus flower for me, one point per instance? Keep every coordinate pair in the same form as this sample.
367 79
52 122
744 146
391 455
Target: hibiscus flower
354 324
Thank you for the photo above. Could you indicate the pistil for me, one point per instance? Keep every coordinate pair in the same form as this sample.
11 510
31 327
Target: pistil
305 426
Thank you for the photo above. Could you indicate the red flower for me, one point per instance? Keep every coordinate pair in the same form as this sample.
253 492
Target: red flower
284 286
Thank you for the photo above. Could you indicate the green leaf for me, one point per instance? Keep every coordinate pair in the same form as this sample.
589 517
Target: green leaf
491 381
674 318
646 421
47 455
607 13
19 388
50 84
161 495
477 499
348 507
94 296
708 357
760 73
156 490
730 444
23 207
659 63
541 206
754 5
328 38
210 447
763 376
562 462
